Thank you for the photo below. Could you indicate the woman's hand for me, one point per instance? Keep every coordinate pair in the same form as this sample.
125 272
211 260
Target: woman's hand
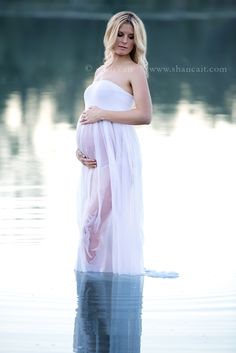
87 162
91 115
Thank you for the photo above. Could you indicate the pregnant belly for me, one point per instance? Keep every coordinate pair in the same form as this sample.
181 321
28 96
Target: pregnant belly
90 142
85 140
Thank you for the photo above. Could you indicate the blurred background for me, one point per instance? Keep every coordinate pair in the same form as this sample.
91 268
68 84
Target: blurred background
49 51
48 55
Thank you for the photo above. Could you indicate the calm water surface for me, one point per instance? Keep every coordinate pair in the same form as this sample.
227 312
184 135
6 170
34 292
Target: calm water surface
189 178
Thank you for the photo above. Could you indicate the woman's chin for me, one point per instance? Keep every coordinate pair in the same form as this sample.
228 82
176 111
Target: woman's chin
121 52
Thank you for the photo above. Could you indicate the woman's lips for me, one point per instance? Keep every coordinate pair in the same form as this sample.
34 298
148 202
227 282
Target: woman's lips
120 46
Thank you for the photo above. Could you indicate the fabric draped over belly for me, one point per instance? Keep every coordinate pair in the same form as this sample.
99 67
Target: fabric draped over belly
110 205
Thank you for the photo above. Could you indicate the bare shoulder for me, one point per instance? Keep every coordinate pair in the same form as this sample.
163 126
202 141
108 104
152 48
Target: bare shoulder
138 67
99 70
140 86
137 74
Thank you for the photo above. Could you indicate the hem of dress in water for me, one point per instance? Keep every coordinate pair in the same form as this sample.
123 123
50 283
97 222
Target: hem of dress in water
147 273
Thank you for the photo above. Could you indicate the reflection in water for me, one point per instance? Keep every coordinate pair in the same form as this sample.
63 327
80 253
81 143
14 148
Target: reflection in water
108 318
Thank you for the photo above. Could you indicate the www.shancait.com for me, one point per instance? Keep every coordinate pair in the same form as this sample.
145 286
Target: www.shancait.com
170 69
188 69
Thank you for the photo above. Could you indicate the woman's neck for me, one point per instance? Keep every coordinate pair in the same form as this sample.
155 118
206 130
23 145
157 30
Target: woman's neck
121 60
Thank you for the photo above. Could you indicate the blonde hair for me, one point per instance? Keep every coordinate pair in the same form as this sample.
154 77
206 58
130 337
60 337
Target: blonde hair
138 53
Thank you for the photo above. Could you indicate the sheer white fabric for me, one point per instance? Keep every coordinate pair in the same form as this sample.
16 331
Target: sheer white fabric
110 203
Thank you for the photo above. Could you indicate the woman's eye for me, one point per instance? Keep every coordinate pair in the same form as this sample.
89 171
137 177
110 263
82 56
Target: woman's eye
121 34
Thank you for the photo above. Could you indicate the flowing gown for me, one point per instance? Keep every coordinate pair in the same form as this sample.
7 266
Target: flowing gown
110 202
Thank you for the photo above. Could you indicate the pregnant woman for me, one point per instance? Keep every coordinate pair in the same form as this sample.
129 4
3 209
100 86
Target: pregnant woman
110 198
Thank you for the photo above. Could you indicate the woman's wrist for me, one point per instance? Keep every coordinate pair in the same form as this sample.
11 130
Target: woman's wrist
102 115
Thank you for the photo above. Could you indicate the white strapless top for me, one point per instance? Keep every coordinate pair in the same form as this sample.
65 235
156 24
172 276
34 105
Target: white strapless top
106 94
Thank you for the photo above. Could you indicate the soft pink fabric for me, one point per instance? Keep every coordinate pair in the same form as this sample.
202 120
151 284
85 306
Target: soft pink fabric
110 201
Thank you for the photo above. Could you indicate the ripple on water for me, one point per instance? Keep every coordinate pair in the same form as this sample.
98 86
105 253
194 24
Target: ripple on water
151 315
23 214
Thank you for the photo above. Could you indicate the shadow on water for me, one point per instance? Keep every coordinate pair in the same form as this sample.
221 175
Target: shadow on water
108 316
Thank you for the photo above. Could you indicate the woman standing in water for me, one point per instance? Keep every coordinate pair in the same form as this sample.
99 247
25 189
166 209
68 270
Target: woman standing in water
110 200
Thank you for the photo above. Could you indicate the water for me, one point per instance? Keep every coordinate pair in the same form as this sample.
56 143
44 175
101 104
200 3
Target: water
189 192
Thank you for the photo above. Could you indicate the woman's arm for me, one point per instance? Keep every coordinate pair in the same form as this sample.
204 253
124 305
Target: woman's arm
141 114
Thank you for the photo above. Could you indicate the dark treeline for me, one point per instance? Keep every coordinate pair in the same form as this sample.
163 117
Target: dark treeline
115 5
60 56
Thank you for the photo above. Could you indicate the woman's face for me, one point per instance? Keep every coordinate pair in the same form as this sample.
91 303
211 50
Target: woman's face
125 39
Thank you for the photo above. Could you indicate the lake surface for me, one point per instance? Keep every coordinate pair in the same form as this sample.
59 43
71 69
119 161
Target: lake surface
189 178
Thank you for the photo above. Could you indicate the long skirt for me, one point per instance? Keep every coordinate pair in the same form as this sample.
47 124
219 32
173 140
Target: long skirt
110 201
